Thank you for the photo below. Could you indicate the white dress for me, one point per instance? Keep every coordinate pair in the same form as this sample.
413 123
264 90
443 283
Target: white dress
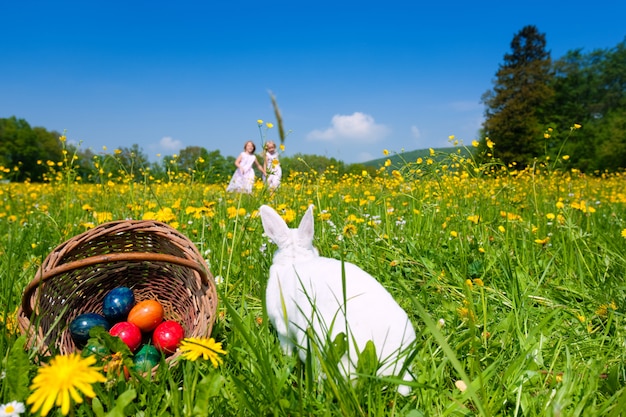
243 178
274 172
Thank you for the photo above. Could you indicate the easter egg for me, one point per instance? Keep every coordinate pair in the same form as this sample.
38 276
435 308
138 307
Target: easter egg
167 336
117 303
146 315
128 332
147 358
80 326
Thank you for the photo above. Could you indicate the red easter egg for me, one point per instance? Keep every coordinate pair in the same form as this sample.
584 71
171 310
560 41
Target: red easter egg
167 336
129 333
146 315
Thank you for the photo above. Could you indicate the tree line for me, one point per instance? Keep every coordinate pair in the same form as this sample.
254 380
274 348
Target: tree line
571 110
35 154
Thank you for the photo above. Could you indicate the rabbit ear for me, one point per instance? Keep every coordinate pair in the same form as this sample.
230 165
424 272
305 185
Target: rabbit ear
305 229
274 225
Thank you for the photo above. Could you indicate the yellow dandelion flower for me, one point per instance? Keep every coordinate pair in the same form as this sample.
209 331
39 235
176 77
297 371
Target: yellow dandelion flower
543 241
10 322
103 217
565 157
231 212
479 282
388 162
349 230
192 348
419 160
60 382
474 218
324 216
432 151
577 126
501 229
453 233
282 147
469 283
624 233
269 125
475 143
288 215
260 122
385 152
490 143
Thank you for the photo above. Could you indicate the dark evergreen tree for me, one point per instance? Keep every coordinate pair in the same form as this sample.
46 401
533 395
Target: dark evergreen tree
514 120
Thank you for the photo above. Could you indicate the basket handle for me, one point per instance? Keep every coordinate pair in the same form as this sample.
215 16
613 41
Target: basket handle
103 259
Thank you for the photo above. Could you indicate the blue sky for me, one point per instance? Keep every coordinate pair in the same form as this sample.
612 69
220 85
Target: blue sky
351 78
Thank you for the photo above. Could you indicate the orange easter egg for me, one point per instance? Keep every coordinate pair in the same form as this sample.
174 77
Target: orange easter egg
146 315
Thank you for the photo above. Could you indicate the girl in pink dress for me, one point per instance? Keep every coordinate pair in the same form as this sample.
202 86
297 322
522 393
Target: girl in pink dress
243 178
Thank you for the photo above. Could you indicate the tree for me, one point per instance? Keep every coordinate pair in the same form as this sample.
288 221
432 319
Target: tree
133 163
590 89
27 149
514 120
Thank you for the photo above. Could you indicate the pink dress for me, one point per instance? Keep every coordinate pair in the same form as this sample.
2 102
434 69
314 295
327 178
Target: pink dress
243 178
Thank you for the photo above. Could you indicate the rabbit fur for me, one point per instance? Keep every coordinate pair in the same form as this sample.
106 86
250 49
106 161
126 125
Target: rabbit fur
306 290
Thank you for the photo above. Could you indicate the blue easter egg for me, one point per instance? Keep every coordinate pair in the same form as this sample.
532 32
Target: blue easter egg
117 303
83 323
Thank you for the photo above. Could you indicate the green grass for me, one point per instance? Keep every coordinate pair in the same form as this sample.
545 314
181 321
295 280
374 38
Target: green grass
523 305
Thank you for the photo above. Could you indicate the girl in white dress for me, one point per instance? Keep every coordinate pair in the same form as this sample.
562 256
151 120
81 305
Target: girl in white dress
243 178
272 165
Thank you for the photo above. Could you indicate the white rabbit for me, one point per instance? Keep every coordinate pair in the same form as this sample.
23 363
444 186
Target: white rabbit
306 290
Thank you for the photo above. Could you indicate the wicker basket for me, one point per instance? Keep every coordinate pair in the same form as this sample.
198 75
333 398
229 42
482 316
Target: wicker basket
149 257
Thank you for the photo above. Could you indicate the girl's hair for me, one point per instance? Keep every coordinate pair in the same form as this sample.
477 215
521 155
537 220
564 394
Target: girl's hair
245 145
268 143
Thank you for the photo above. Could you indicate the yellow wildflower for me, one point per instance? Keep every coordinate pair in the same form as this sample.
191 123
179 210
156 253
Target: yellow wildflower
60 382
192 348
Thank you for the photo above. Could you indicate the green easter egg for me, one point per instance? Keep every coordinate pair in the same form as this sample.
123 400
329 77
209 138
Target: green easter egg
146 358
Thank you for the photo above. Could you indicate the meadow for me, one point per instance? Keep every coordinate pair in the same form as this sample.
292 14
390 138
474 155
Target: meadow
513 279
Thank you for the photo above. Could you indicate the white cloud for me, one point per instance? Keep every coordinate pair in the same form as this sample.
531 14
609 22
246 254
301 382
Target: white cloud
358 126
169 144
415 132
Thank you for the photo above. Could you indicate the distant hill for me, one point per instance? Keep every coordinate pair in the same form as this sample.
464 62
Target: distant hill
400 159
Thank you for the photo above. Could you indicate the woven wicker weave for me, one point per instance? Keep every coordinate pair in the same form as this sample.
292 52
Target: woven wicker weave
149 257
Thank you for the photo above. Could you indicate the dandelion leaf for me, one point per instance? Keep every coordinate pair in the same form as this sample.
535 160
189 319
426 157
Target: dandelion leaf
122 402
368 361
206 389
